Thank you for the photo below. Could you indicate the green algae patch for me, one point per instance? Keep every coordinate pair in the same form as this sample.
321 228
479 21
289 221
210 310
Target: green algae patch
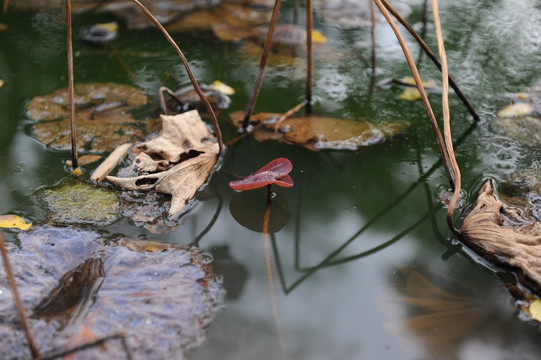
81 203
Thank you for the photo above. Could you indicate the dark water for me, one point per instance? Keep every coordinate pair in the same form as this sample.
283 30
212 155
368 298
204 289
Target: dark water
364 226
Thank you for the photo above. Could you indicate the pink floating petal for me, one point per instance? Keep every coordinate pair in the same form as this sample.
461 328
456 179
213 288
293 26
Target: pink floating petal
280 166
275 172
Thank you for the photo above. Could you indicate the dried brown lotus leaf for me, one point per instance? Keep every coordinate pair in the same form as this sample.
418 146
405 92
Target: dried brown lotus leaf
102 117
317 133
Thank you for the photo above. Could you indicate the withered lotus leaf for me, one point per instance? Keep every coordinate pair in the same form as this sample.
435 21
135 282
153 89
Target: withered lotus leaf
318 133
77 287
503 236
102 117
178 162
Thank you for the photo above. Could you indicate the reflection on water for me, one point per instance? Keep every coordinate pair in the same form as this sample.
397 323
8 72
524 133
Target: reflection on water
356 220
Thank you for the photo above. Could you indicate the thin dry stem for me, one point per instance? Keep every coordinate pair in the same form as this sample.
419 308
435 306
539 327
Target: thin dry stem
20 309
447 116
309 56
189 72
373 53
71 88
262 64
417 77
434 59
290 112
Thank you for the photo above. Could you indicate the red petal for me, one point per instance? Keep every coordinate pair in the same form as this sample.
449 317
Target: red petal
284 180
280 166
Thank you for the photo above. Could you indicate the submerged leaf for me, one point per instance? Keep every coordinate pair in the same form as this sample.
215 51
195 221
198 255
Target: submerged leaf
178 162
516 110
102 117
14 222
318 133
81 203
161 296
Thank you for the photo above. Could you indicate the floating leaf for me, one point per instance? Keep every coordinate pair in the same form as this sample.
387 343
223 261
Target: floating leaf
178 162
516 110
100 33
81 203
233 16
223 88
85 160
13 221
161 296
101 116
318 133
188 99
521 121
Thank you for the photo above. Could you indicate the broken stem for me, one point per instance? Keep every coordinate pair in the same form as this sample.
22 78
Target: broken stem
20 309
262 64
309 56
189 72
434 59
447 117
71 88
268 267
417 77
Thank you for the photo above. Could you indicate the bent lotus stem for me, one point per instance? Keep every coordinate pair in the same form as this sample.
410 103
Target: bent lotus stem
198 90
424 97
434 59
447 118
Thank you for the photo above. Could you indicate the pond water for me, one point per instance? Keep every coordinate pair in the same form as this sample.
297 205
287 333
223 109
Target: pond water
363 266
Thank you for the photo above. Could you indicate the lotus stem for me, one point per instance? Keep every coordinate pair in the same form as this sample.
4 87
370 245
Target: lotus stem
262 64
189 72
20 309
447 117
309 55
71 88
424 98
434 59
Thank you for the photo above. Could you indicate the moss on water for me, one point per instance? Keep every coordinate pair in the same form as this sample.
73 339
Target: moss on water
77 202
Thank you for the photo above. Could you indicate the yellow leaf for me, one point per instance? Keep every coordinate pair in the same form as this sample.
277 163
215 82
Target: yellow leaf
318 38
13 221
515 110
111 26
535 309
410 94
223 88
426 83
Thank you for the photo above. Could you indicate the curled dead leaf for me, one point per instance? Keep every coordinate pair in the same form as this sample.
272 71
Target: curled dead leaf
178 162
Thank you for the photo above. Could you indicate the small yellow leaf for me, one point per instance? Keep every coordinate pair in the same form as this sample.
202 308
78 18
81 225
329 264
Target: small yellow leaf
318 38
111 26
13 221
410 94
1 83
535 309
515 110
223 88
77 172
